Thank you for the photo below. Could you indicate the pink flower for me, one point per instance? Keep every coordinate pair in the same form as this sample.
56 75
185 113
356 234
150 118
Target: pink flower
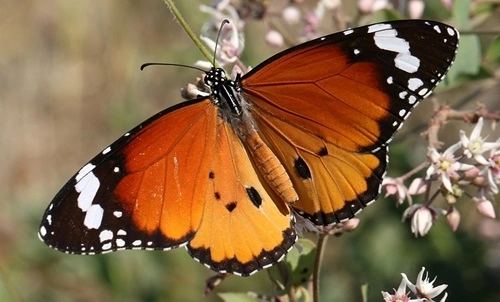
484 207
395 186
422 219
231 42
371 6
445 165
475 145
453 218
291 15
416 8
400 295
425 288
274 38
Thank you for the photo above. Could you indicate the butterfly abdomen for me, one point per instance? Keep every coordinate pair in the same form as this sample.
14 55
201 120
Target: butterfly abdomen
271 168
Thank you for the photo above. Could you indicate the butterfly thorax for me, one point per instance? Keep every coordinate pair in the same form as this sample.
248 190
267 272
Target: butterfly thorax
225 93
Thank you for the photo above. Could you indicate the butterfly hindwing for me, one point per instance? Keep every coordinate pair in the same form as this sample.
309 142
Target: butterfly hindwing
346 94
244 227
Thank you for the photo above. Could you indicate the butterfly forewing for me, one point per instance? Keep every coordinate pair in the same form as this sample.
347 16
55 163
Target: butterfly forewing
139 192
346 94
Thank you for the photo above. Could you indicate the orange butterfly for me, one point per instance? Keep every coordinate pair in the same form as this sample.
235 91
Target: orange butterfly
304 133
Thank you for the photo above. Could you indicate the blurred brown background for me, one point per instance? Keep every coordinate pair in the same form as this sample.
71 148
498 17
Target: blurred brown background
70 84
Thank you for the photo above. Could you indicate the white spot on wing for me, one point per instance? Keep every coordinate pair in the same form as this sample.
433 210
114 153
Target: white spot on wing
121 232
407 62
377 27
43 231
402 112
423 91
105 151
120 242
348 32
105 235
118 214
414 83
137 243
93 218
87 185
412 99
106 246
450 31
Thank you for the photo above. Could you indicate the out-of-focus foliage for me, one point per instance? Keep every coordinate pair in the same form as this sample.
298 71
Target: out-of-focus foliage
70 84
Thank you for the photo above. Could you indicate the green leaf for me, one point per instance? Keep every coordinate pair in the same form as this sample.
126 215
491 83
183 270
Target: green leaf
302 264
237 297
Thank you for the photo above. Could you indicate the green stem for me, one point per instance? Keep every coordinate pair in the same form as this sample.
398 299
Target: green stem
320 251
206 53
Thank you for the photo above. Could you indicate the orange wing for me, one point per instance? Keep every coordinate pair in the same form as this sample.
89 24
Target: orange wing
329 107
180 178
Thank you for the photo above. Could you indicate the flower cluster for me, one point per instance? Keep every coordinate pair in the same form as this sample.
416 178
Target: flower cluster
473 163
423 290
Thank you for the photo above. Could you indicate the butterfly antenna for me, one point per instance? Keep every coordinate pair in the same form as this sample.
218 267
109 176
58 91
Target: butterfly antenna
224 22
170 64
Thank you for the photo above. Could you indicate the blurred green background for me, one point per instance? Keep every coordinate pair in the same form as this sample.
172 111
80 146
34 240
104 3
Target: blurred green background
70 84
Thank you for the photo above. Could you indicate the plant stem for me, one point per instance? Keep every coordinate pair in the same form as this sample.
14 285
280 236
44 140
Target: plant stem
188 30
320 251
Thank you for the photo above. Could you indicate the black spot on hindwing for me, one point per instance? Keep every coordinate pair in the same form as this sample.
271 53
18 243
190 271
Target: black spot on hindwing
254 196
302 168
231 206
323 152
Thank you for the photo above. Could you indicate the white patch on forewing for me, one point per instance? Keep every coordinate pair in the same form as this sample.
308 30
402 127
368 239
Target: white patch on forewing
87 184
403 94
423 92
105 235
93 218
451 32
118 214
402 112
437 29
390 80
412 99
43 231
414 83
348 32
387 39
83 171
407 62
121 232
377 27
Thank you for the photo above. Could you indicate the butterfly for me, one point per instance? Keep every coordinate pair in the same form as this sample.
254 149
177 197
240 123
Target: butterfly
303 134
